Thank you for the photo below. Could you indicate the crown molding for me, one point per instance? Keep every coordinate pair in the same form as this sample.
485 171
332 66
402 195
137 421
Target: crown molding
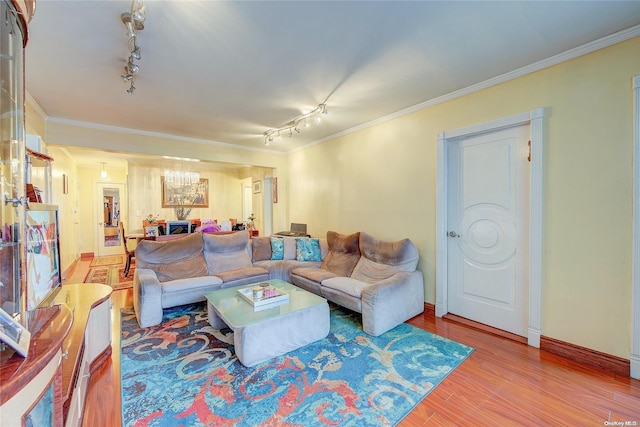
130 131
585 49
36 107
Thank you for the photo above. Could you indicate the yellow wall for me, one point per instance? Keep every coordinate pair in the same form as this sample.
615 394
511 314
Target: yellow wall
383 179
63 164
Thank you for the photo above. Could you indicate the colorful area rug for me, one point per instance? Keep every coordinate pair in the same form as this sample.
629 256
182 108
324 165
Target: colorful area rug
185 373
112 276
107 260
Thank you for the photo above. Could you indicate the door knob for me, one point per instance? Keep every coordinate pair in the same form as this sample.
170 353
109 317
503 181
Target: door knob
453 234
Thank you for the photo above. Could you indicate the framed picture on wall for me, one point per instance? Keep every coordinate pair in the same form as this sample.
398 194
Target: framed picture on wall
196 196
257 187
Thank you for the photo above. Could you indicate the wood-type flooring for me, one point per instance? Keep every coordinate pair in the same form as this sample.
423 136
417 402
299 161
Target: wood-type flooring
503 383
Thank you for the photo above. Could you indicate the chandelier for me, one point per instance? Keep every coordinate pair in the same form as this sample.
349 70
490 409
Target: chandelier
297 124
134 22
180 178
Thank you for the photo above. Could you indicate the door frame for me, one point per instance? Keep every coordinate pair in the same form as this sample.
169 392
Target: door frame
635 274
98 214
535 119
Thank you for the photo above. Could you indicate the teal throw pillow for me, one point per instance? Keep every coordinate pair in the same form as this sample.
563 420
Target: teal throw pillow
277 248
308 249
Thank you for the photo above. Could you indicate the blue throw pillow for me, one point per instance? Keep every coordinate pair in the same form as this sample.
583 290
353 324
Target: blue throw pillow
277 248
308 249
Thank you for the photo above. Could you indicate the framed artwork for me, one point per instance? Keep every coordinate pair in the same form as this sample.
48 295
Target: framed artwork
14 334
257 187
195 196
275 190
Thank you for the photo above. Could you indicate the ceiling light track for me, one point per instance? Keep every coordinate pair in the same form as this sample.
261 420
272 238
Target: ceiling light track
297 124
134 22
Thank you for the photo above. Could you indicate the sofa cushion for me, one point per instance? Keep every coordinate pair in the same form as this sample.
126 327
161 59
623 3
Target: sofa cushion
242 273
343 254
224 252
308 249
382 259
261 248
347 285
290 248
277 248
173 259
191 283
315 274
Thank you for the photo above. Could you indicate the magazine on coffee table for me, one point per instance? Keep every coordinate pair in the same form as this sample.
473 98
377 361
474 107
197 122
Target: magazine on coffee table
281 297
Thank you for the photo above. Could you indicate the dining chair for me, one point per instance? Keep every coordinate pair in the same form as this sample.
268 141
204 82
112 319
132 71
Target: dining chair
128 254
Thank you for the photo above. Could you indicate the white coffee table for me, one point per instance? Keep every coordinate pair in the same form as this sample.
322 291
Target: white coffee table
265 334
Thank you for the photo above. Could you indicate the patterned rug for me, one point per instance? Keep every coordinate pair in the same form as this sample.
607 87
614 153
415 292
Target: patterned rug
185 373
112 276
107 260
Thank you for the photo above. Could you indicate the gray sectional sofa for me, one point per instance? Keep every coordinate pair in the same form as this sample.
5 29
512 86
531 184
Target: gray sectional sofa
358 271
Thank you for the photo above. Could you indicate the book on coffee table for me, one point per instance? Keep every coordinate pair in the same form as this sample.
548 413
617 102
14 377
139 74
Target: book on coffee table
281 297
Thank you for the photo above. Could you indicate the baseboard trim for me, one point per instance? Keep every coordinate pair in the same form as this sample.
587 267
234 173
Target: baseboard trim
429 309
485 328
69 271
587 356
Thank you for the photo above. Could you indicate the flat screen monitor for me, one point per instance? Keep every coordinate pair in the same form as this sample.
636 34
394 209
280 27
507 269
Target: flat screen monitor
298 228
178 227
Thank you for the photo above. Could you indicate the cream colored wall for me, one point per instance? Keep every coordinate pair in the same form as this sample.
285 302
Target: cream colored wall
225 196
382 180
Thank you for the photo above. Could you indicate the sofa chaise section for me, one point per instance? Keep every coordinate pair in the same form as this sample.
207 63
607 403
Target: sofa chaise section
375 278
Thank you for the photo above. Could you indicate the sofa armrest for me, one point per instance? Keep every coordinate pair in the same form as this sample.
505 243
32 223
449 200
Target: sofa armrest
392 301
147 297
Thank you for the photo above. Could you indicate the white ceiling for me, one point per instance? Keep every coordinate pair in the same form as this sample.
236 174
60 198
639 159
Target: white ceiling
227 71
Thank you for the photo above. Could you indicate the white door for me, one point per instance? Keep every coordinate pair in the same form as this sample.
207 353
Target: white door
110 206
488 228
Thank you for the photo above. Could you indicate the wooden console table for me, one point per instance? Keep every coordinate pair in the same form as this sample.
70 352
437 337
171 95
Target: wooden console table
88 344
27 383
70 340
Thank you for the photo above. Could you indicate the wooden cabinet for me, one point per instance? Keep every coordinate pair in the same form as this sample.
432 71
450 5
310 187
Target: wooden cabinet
31 387
88 344
70 340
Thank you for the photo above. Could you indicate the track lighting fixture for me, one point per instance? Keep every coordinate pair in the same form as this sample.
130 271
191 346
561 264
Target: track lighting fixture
134 22
303 120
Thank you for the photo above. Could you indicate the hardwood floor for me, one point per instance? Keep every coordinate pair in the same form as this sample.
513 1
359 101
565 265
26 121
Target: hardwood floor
503 383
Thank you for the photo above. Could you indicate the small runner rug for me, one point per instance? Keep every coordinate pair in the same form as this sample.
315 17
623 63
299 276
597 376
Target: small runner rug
107 260
185 373
112 276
